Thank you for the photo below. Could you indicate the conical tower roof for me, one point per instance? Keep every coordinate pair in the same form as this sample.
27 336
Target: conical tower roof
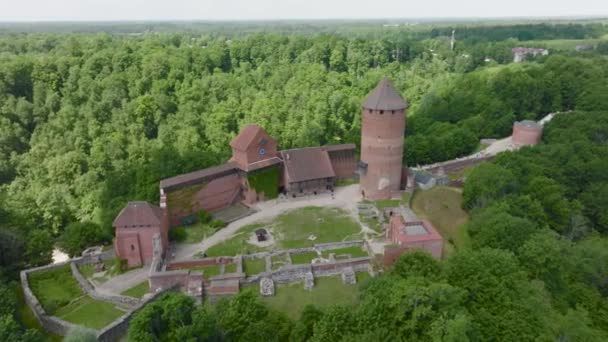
384 97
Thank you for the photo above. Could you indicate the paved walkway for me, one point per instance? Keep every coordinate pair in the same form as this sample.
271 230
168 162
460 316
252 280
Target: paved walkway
125 281
344 198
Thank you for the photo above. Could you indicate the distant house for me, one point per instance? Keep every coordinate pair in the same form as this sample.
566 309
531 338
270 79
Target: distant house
409 235
520 54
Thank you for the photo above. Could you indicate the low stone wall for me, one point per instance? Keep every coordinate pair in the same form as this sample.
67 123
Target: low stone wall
338 245
336 268
51 324
118 329
89 289
179 265
318 247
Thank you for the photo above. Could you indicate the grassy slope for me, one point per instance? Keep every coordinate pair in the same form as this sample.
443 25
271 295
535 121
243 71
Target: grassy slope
138 290
442 207
89 312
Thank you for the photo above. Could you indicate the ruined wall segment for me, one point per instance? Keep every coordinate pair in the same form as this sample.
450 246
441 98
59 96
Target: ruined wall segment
382 138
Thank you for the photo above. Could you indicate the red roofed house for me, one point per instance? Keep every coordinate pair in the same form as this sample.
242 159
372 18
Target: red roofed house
135 226
410 235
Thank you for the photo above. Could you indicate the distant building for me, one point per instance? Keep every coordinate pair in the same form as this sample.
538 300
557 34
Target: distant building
136 227
414 234
520 54
584 47
526 133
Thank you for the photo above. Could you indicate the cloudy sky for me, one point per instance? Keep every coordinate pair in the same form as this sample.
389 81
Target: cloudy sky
41 10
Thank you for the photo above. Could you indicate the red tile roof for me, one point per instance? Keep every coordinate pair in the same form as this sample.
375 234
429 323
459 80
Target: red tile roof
304 164
342 147
196 177
246 136
138 214
384 97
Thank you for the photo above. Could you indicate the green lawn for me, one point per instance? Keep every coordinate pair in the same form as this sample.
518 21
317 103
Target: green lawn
87 270
303 258
293 228
442 206
279 261
230 268
29 319
291 299
254 266
54 288
197 232
347 182
237 244
354 251
209 271
387 203
89 312
137 291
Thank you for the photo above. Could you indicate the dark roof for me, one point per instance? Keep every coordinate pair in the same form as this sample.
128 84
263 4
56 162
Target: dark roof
342 147
384 97
246 136
138 214
196 177
302 164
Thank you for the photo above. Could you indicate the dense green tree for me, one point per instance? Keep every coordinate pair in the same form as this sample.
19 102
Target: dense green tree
80 235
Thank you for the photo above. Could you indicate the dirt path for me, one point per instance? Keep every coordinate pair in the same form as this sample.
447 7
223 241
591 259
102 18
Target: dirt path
124 281
344 198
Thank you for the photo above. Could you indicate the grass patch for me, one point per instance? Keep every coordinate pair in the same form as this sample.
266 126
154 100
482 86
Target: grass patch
303 258
89 312
137 291
346 182
354 251
237 244
387 204
293 228
291 299
54 288
209 271
197 232
278 261
28 318
442 206
254 266
230 268
87 270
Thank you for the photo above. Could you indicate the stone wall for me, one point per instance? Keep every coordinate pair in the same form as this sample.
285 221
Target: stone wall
116 330
336 268
178 265
49 323
89 289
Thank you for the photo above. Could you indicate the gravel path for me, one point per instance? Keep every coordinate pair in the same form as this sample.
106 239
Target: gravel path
344 198
125 281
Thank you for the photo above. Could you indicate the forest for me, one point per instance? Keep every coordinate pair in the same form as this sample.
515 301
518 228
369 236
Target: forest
91 120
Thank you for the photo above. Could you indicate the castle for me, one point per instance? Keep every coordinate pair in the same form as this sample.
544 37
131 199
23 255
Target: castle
258 170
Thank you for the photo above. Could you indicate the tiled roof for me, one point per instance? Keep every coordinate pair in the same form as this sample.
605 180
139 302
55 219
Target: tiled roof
246 137
196 177
302 164
138 214
342 147
384 97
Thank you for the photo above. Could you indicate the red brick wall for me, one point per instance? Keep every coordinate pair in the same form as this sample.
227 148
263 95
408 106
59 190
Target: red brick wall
523 135
252 153
382 149
344 163
141 239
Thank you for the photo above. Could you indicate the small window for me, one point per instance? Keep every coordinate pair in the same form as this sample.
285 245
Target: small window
393 112
381 112
132 248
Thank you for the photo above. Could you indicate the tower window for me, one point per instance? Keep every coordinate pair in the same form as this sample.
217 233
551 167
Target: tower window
381 112
393 112
132 248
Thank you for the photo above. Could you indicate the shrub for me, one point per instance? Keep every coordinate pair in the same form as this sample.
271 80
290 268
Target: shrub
178 234
77 236
80 334
120 265
217 224
204 216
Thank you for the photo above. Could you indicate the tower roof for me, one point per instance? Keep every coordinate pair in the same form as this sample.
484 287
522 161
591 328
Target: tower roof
384 97
247 136
138 214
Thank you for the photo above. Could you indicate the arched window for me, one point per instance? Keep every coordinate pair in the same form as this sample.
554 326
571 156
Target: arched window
132 248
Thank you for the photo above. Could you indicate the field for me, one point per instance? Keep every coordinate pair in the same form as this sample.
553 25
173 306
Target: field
60 296
303 258
291 299
137 291
209 271
354 252
89 312
292 229
442 207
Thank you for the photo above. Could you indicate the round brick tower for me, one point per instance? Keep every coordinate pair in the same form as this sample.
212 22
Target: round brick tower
382 134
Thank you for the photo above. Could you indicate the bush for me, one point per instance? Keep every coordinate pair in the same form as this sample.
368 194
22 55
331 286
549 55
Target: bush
77 236
120 265
217 224
204 216
178 234
80 334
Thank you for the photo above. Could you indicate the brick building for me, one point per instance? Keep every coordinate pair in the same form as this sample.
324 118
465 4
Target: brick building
526 133
136 226
414 234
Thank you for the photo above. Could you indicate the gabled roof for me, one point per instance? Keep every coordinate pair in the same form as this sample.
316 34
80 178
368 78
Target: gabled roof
138 214
247 136
384 97
196 177
302 164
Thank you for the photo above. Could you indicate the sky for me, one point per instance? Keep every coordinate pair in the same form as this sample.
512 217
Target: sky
109 10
